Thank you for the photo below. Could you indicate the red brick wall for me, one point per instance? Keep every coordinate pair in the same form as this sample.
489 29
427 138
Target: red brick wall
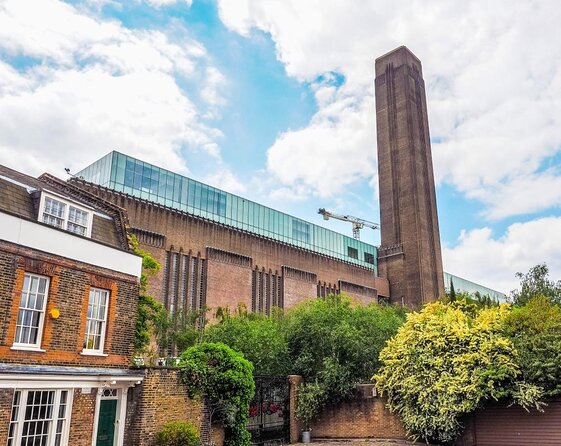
363 417
296 290
228 285
82 421
6 399
193 235
70 283
159 399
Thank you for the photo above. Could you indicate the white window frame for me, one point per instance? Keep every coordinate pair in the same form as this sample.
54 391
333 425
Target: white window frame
17 416
37 345
98 351
68 204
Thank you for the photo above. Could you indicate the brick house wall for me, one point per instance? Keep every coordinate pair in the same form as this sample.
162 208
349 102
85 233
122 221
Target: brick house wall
6 398
70 282
83 410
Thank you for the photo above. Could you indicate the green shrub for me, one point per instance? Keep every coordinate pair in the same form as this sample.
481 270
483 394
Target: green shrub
224 379
178 433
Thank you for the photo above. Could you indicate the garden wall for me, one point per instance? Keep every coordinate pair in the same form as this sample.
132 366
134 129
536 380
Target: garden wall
160 398
365 416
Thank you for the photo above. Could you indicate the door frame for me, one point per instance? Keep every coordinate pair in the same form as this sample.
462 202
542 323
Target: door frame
119 394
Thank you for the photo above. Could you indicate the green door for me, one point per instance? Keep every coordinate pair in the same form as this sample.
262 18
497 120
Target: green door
106 423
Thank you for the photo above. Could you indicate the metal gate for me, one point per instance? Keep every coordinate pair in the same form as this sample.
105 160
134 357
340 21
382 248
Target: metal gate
269 412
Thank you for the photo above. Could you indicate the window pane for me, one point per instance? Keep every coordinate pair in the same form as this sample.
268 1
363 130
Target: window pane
31 310
96 319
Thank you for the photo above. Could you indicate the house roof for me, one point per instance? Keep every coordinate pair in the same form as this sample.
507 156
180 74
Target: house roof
20 196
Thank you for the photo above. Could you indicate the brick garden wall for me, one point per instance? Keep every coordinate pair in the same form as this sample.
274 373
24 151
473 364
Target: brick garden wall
159 399
364 417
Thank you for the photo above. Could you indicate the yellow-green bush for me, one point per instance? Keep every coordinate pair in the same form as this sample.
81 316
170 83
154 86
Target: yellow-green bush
445 361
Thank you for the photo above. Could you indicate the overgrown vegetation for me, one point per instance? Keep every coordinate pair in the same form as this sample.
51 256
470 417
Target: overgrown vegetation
224 379
335 345
260 338
445 362
535 330
178 433
178 331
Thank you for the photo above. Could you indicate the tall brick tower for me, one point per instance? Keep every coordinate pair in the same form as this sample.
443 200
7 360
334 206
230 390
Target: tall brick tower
410 255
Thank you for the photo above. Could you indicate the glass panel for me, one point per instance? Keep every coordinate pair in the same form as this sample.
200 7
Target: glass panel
165 187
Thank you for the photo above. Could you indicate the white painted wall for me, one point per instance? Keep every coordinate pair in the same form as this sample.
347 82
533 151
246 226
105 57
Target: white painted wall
43 238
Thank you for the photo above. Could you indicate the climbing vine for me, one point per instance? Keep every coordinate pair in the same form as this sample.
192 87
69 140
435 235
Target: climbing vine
149 310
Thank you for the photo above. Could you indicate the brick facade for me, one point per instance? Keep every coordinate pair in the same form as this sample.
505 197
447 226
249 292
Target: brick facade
83 410
6 398
70 283
228 284
161 230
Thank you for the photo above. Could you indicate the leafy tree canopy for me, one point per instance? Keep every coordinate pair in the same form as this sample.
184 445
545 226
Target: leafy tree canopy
261 339
445 361
534 283
335 345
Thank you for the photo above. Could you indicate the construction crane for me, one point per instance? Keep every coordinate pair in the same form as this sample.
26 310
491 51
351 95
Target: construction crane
358 223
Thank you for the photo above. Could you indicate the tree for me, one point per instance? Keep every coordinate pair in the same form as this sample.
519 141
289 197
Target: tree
177 331
452 291
536 283
335 345
224 379
445 361
261 339
535 330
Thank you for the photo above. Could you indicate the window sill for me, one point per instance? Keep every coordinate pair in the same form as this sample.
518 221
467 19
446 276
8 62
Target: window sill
92 353
27 348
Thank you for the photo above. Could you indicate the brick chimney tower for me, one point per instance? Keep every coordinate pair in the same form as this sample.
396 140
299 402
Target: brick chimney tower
410 255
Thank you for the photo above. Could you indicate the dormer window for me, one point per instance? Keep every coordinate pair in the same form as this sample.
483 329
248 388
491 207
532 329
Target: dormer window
63 214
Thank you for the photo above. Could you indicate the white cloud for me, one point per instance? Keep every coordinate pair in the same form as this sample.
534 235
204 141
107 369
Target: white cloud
494 261
493 76
335 150
160 3
224 179
93 86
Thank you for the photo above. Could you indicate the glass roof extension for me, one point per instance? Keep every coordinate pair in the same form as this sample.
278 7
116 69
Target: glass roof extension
468 286
134 177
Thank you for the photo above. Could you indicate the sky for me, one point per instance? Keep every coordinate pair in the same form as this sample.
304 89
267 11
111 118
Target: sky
274 100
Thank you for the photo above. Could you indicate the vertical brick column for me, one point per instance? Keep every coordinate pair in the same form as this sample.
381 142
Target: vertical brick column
410 254
295 425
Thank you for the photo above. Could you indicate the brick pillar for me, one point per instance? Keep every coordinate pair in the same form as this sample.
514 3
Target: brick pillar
295 425
206 428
